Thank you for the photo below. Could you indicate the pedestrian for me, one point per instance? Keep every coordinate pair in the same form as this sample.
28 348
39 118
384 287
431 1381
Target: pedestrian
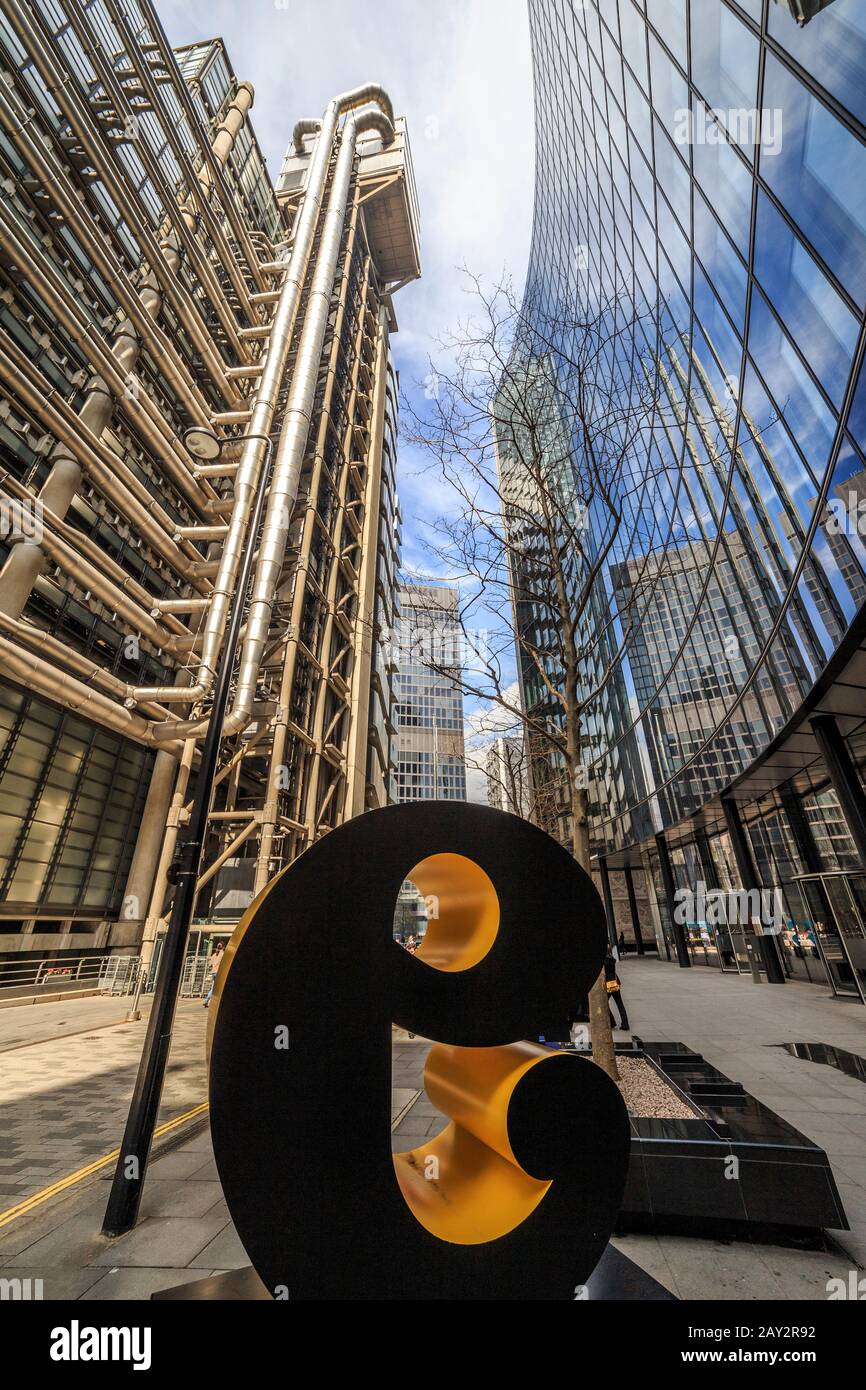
215 961
614 991
621 944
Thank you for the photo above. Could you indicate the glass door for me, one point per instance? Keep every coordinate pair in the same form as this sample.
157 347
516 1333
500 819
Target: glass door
832 921
848 897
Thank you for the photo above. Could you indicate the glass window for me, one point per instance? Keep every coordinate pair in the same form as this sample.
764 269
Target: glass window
812 310
675 245
673 177
633 30
857 414
819 173
670 95
720 261
716 326
669 18
638 111
795 395
832 47
724 57
728 184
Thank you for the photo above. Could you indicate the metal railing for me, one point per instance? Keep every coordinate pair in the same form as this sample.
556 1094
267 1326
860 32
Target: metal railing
113 974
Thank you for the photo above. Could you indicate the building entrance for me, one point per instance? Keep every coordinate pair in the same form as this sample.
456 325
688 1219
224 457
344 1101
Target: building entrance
833 926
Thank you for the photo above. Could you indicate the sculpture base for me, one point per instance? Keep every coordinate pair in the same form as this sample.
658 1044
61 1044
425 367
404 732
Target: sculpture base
615 1278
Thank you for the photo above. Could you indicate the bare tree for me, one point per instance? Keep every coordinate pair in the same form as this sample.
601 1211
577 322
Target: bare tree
536 425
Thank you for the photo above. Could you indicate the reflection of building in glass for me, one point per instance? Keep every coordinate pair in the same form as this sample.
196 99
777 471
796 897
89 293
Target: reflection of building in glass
713 665
153 279
733 733
431 763
410 915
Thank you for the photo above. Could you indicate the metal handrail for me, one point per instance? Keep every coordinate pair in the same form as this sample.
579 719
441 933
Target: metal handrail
105 974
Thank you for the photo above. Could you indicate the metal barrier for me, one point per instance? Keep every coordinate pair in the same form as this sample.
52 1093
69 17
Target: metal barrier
196 979
117 975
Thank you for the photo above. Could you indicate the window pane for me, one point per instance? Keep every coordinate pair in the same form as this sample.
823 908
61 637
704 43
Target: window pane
669 18
670 94
812 310
724 57
795 394
720 261
728 184
832 47
819 173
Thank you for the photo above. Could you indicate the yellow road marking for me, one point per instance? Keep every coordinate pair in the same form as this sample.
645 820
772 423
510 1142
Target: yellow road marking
62 1183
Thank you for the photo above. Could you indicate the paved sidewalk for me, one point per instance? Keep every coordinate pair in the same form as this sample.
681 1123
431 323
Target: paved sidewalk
64 1100
184 1231
24 1024
738 1026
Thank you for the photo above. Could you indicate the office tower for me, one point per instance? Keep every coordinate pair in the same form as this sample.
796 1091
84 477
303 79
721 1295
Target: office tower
176 334
431 761
697 162
507 776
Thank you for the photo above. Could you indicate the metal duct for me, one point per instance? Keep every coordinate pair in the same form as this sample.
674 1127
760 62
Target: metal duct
293 437
35 673
305 126
298 411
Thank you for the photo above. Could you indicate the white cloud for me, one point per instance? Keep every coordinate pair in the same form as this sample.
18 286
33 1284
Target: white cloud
459 71
486 722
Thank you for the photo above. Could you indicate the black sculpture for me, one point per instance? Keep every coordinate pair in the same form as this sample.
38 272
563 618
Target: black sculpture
517 1197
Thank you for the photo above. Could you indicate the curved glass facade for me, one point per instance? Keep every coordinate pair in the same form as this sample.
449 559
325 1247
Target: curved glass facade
701 182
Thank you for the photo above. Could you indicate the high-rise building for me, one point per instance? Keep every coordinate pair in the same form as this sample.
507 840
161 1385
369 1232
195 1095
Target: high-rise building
175 333
507 775
699 202
431 761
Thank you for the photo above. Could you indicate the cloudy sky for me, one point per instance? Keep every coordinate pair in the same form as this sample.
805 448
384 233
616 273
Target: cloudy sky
460 73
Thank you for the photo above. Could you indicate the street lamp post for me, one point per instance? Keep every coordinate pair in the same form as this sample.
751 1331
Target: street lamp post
128 1183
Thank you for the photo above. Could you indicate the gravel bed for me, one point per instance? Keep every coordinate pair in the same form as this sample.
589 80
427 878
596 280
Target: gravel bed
647 1093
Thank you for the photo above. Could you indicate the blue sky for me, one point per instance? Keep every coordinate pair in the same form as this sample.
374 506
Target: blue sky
460 73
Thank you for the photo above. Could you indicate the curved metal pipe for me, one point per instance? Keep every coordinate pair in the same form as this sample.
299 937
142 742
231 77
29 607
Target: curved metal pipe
296 421
35 673
293 436
305 126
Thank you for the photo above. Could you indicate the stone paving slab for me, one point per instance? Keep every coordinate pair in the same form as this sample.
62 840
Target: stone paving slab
24 1024
64 1099
737 1026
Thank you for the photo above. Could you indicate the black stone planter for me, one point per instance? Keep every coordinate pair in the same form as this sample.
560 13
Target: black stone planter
678 1173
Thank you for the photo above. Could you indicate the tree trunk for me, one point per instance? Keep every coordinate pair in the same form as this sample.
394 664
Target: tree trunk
601 1032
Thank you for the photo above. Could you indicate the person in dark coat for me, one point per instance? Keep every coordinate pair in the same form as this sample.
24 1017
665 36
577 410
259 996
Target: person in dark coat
614 990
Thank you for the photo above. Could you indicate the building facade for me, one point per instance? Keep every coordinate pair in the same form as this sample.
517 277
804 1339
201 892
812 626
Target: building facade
507 774
177 333
699 195
431 760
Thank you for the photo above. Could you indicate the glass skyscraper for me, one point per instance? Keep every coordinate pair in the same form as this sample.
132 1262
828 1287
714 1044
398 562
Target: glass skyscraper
701 193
